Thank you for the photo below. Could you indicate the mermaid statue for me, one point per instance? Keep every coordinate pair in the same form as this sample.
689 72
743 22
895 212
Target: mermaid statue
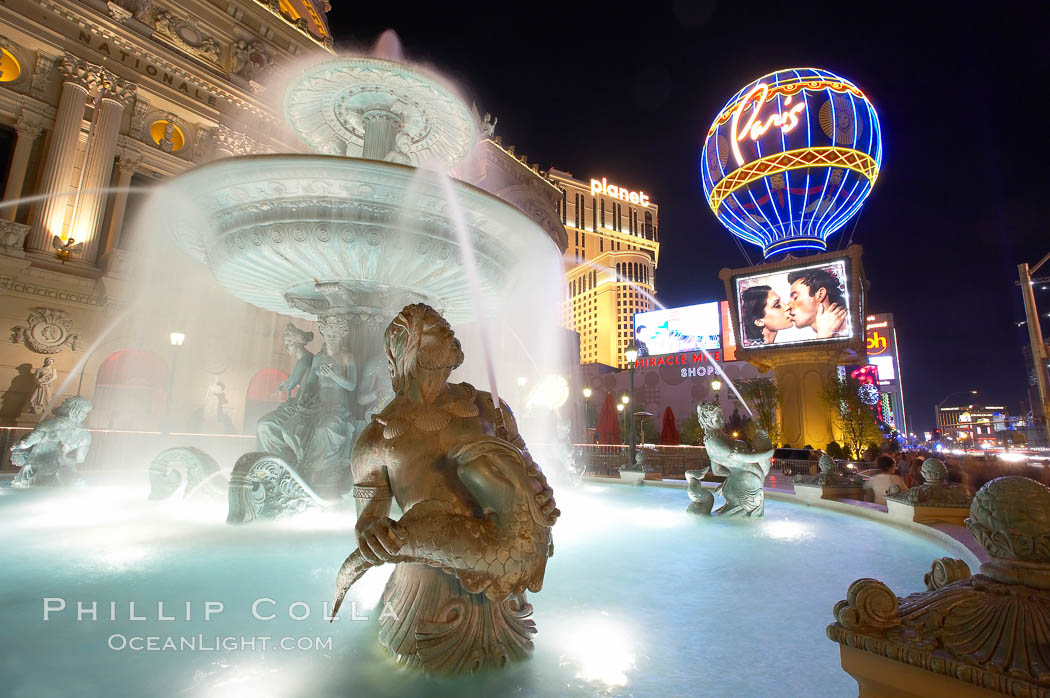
743 466
478 512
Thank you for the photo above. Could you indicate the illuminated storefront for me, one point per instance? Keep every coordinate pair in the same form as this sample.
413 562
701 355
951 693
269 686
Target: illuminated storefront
611 258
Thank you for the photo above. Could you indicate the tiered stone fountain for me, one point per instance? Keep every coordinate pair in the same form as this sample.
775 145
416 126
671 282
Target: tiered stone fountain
346 237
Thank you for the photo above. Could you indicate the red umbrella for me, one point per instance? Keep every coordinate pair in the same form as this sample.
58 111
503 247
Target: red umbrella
608 422
669 433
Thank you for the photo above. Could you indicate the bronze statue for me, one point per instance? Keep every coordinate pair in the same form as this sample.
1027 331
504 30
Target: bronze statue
744 467
478 511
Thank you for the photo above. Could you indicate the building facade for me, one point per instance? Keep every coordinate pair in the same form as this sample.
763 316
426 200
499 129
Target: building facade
613 247
882 348
974 426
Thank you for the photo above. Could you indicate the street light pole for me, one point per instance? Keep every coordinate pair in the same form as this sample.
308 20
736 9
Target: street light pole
177 338
587 392
631 354
1035 336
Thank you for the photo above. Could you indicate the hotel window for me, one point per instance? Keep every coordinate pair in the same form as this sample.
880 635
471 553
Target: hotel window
594 214
564 207
603 213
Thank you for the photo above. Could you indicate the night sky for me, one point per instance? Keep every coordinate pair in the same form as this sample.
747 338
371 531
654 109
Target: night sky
628 92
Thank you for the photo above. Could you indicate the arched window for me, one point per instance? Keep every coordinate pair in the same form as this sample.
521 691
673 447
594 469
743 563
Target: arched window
130 391
263 396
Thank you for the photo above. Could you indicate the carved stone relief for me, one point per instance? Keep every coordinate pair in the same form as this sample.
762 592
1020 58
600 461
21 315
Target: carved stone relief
47 331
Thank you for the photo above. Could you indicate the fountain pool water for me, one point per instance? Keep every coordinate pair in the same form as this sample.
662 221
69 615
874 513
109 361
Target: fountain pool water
641 599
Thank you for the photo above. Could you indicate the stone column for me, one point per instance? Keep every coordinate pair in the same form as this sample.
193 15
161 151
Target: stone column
78 77
98 164
27 128
127 165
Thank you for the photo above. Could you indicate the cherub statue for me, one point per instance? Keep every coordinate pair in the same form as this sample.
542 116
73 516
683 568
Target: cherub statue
65 250
475 533
49 455
744 466
41 395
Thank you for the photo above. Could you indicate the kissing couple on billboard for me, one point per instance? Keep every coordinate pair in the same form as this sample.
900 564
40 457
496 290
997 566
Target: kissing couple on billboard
815 300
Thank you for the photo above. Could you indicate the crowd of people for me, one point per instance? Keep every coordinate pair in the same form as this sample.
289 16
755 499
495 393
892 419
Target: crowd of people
970 471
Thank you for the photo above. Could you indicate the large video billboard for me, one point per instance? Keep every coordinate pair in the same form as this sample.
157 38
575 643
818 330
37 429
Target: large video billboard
678 330
808 303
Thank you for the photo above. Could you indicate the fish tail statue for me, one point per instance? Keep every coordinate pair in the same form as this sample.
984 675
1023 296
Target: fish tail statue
500 554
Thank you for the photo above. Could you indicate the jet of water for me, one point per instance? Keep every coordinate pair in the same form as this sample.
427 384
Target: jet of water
661 306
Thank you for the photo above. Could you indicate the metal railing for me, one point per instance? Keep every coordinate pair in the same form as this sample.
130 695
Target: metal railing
669 462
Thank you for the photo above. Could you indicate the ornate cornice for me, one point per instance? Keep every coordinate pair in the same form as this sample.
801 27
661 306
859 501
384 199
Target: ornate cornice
89 22
9 284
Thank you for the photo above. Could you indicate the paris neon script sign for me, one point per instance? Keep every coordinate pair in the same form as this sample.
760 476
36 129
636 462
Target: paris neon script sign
755 127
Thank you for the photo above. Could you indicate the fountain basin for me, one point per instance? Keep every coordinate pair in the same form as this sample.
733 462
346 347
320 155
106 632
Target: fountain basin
275 229
641 598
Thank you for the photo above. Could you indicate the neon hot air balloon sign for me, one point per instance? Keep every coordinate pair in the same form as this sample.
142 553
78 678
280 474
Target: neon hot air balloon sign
791 158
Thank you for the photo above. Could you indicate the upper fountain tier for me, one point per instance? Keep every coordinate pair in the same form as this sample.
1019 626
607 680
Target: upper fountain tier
355 229
379 110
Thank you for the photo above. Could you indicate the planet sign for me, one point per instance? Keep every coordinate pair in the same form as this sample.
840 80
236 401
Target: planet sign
791 158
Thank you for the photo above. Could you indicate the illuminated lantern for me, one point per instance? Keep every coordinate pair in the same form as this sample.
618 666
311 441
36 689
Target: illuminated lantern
790 158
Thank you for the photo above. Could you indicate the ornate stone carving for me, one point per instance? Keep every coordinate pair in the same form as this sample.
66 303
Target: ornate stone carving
118 13
48 331
74 69
139 9
185 466
263 486
29 125
250 60
13 237
945 571
230 142
116 88
463 573
138 120
186 35
42 71
991 629
380 109
49 292
936 492
828 476
744 466
1011 519
49 455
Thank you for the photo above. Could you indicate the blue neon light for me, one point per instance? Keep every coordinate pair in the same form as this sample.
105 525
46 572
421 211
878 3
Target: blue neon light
813 178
